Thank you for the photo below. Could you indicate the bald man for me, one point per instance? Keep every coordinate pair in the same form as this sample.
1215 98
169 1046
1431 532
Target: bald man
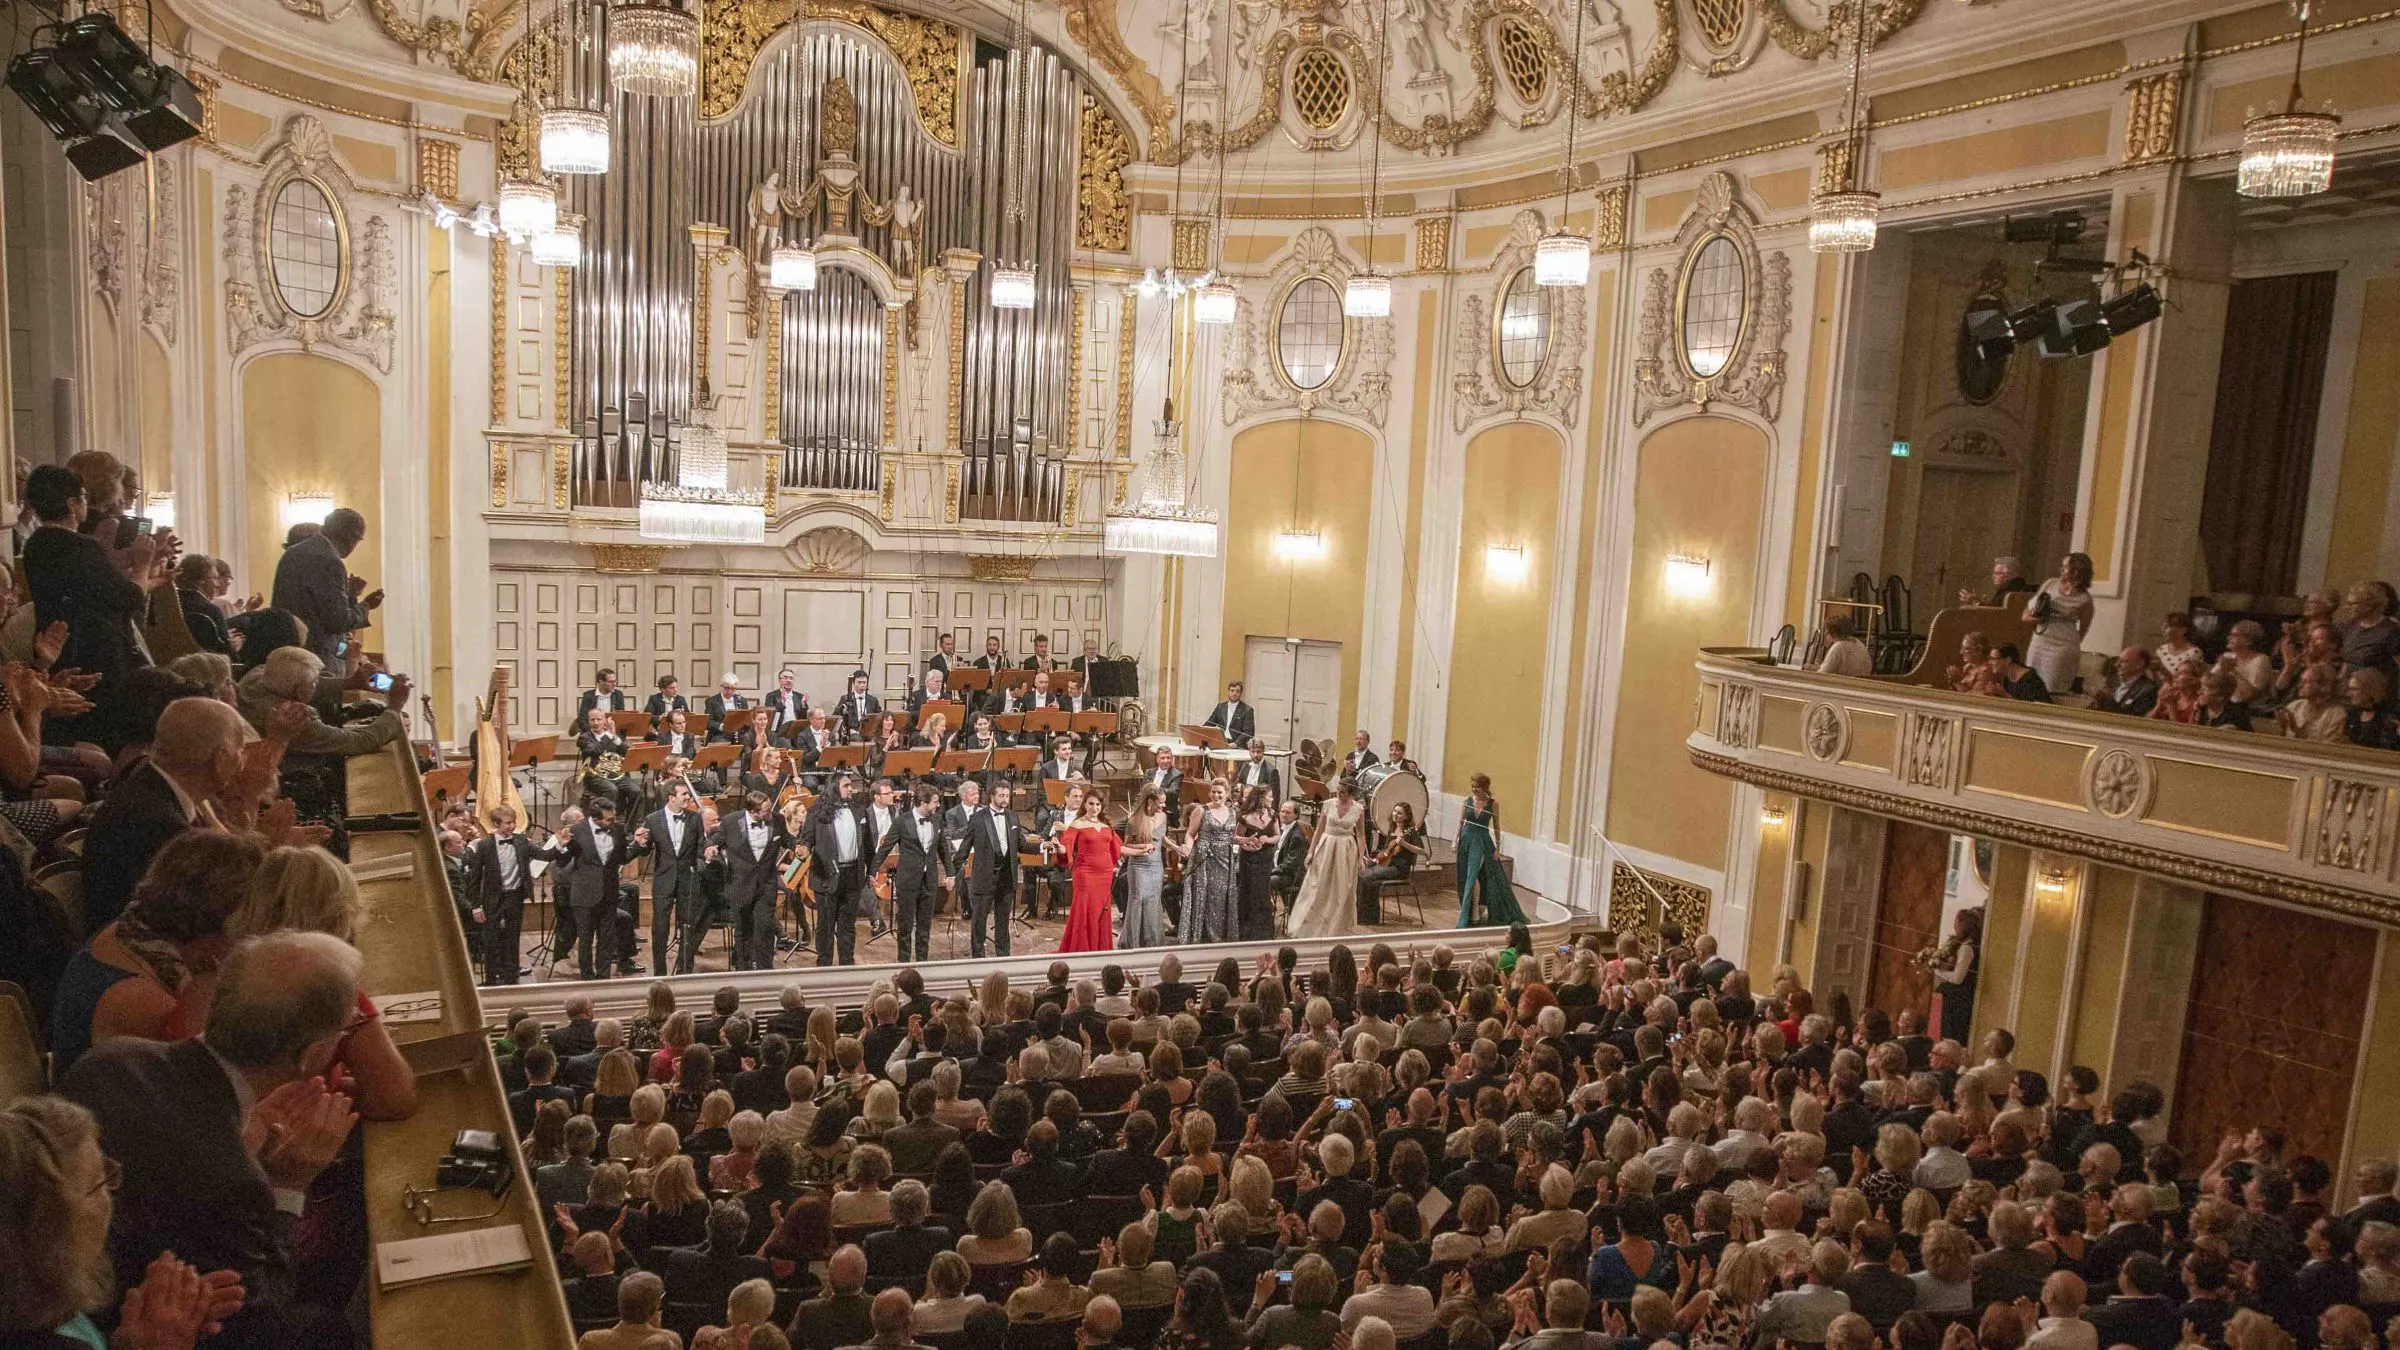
842 1315
195 754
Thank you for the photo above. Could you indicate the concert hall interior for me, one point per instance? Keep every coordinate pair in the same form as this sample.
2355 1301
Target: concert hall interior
877 520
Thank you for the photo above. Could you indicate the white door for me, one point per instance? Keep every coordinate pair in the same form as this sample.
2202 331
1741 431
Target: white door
1296 686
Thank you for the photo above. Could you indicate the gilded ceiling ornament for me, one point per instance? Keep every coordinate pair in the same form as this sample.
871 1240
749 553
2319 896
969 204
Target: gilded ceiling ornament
629 557
530 66
1001 566
828 550
437 167
2153 113
1092 25
1191 243
359 315
1887 18
928 50
1433 243
1104 213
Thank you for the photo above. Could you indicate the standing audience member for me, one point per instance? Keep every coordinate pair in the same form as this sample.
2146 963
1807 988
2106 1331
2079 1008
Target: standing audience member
313 582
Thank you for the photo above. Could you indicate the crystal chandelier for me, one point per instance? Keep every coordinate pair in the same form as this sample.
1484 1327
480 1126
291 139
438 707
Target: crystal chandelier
574 140
698 507
1563 257
2289 153
1162 521
1012 287
562 244
1366 295
1215 303
654 49
1843 219
528 208
792 268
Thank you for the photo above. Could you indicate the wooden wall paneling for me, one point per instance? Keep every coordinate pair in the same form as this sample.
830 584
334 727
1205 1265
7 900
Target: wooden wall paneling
2275 1016
1916 864
1846 916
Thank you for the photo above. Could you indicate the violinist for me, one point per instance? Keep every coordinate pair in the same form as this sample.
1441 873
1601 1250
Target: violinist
857 706
934 734
981 739
757 733
1403 846
796 811
602 752
770 773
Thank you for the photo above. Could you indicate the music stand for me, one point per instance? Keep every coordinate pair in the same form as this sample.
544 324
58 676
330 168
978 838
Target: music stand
645 758
907 763
1010 679
969 679
443 785
966 761
1207 737
842 758
1048 721
715 756
953 713
1009 724
1093 721
1017 758
631 723
531 750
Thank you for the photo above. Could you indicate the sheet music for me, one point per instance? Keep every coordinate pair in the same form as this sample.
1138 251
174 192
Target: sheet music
415 1260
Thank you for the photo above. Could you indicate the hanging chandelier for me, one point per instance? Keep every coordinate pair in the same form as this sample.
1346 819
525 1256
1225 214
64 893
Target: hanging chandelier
1162 521
1215 303
791 267
562 244
1012 287
528 208
1366 295
1843 220
2289 153
1563 257
698 507
654 49
574 140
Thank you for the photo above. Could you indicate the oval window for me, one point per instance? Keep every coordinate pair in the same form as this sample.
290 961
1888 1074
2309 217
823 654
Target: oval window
1715 292
1308 333
1524 334
1321 88
304 246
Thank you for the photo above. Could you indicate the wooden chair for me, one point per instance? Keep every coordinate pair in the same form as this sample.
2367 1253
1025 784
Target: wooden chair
1043 1220
997 1282
1059 1335
1102 1216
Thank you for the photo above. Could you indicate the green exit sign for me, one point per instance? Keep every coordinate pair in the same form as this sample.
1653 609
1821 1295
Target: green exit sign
1899 449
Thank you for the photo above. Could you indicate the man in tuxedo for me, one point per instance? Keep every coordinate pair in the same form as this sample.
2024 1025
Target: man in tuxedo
1291 855
751 840
1040 660
604 695
601 750
1238 720
678 846
1167 779
1082 665
935 689
839 854
1052 882
1061 763
1257 772
915 838
674 732
947 659
856 706
986 851
884 809
993 660
101 593
1034 695
727 710
594 850
1396 754
501 870
669 698
814 739
1361 756
173 1116
195 754
787 706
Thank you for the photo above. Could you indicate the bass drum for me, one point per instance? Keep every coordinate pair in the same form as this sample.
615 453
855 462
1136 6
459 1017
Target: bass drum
1381 785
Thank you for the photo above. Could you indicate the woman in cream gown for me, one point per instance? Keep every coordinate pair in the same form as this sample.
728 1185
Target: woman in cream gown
1329 892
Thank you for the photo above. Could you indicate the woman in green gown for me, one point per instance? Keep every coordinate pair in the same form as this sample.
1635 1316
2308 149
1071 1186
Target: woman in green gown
1479 862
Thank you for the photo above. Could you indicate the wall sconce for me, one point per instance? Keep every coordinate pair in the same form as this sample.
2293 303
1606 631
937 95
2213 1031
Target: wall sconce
1773 816
1299 546
1508 564
306 508
1687 574
160 508
2050 884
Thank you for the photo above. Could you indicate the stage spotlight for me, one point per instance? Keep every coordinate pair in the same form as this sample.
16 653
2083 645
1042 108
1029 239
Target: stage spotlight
158 105
1990 333
174 115
75 113
2131 310
2059 227
2078 329
2031 323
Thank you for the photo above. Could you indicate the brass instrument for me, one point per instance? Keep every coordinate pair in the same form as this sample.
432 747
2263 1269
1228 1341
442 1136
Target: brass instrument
611 764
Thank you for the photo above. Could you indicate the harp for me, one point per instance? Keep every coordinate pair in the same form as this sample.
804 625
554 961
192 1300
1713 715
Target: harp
493 784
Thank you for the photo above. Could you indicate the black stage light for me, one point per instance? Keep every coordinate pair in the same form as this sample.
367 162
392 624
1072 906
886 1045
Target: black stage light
173 116
98 156
109 61
1991 334
2059 227
73 112
2079 329
2031 323
2132 309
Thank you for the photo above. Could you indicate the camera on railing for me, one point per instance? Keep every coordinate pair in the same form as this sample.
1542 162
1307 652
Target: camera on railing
477 1161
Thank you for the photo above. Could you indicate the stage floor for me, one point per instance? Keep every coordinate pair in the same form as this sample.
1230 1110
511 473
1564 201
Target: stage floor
1402 919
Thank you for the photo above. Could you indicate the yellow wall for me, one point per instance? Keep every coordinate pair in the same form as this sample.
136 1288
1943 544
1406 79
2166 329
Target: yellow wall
1768 903
157 468
2118 397
2042 967
1700 489
1501 629
437 457
2366 474
309 424
2003 924
2107 919
1796 581
1330 493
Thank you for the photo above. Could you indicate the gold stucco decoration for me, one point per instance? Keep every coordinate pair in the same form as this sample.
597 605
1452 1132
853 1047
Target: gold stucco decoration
1104 213
928 51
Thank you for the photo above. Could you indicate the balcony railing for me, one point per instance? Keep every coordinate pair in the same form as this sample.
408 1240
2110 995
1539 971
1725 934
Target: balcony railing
2298 821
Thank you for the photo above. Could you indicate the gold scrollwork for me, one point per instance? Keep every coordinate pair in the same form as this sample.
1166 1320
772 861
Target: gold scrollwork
499 474
1127 312
499 329
1630 901
559 468
950 492
1001 566
562 344
1886 19
1074 433
1191 243
1104 213
1608 223
207 87
2153 113
1833 165
629 557
929 52
1433 243
773 300
891 488
891 378
958 364
1092 24
531 67
437 167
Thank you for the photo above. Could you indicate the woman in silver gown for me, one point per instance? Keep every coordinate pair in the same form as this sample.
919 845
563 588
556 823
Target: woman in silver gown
1208 894
1145 922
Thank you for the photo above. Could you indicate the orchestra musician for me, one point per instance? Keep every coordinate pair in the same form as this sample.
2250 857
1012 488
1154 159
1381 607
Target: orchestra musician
1036 695
673 836
771 773
1040 660
754 733
1061 762
980 738
673 730
1403 845
883 811
501 865
1361 756
947 659
726 705
838 852
1257 772
814 739
1165 778
988 857
1396 754
1053 879
1082 665
669 698
595 848
857 706
1291 855
675 769
796 812
992 662
602 753
603 695
787 705
752 842
916 839
934 690
1238 720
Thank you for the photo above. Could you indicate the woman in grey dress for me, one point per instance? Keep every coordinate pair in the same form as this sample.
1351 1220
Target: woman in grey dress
1145 871
1208 898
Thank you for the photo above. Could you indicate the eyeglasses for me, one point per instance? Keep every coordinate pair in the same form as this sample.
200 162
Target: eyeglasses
112 1177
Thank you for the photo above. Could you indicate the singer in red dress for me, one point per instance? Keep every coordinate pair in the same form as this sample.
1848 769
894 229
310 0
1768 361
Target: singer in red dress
1092 850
